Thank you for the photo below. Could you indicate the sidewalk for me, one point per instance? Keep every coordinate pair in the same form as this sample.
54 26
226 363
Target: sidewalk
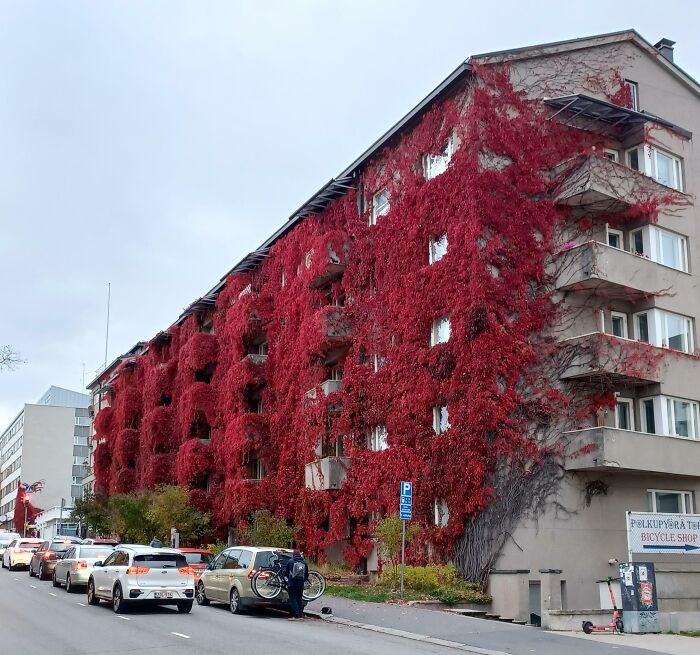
488 637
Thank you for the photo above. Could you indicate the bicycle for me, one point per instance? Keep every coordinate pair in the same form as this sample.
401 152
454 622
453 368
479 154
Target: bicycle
268 583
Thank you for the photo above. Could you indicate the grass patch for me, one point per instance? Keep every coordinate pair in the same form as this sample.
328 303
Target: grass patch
690 633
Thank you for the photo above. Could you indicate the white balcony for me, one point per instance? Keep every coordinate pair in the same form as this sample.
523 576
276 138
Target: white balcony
326 473
327 387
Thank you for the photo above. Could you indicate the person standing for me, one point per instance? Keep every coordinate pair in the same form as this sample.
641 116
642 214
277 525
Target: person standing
156 543
297 573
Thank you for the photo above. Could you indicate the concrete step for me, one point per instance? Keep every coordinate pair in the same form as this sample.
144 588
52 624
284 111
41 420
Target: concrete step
478 614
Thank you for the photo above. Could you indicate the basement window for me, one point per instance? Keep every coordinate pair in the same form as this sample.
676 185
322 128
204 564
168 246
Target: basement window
670 502
380 205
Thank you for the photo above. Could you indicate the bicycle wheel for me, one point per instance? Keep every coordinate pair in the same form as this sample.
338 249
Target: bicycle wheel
314 586
266 584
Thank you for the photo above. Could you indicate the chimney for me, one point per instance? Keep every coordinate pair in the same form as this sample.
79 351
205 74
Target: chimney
665 47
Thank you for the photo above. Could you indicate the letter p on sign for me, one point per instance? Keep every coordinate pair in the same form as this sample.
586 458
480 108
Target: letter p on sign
406 489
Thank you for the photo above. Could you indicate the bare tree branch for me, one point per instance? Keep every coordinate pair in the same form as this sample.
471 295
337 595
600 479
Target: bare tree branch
10 359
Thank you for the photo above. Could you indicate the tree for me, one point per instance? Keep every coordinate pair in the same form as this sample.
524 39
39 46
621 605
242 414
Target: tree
130 517
388 533
9 358
170 508
93 511
268 530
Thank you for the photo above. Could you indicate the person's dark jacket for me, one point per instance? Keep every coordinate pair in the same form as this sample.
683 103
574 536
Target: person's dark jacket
156 543
291 582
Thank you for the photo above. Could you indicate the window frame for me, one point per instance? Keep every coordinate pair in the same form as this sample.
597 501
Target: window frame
441 513
438 428
664 416
435 331
615 232
625 324
629 402
687 499
435 165
433 253
634 93
378 437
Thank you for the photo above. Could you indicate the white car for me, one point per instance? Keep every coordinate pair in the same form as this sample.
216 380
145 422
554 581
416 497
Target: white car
19 553
6 538
141 574
74 568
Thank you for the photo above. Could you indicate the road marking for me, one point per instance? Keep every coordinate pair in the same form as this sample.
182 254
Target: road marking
81 604
32 586
52 594
179 634
123 618
16 579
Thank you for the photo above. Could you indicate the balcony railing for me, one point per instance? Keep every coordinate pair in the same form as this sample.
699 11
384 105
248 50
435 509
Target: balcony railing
327 387
611 449
597 268
326 473
255 358
601 185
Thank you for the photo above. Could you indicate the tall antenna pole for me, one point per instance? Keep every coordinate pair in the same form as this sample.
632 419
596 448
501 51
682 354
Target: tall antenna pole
83 375
109 296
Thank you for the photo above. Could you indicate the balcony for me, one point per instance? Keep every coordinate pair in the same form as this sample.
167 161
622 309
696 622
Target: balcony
601 185
326 261
632 452
329 334
255 358
327 387
326 473
600 358
599 269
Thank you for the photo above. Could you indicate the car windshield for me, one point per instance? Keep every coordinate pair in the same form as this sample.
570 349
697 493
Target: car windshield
60 547
266 559
94 553
161 561
26 545
198 558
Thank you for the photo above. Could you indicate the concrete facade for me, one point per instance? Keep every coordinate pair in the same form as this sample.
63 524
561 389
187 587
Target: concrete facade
48 442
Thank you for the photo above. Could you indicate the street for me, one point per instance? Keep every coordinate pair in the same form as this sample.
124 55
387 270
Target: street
35 617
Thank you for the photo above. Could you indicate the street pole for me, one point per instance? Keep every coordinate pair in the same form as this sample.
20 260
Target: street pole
403 548
26 507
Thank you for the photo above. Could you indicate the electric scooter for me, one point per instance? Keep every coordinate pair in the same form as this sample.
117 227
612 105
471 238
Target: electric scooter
615 624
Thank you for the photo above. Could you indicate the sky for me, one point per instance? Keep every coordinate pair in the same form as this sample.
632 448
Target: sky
152 144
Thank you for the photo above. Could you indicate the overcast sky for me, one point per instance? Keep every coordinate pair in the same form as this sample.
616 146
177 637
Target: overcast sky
152 144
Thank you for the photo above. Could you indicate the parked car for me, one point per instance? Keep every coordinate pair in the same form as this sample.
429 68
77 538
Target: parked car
19 553
6 538
100 541
44 559
198 559
74 568
141 574
227 578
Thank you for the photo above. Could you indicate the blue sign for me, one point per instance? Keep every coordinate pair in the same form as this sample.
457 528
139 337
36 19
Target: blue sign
406 501
405 513
407 488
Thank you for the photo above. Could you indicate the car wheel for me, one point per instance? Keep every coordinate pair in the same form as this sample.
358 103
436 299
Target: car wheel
185 606
69 587
31 572
92 598
54 581
235 602
118 602
11 566
41 572
201 595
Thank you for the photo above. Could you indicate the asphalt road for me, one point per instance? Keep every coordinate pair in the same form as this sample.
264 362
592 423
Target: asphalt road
36 618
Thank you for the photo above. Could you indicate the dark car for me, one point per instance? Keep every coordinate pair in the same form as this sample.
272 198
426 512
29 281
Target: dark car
45 557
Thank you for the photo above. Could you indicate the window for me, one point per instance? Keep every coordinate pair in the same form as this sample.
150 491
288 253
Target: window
442 513
618 324
670 502
634 94
610 154
438 248
434 165
673 417
218 563
665 330
671 249
378 362
233 559
624 414
440 332
616 239
664 167
380 206
208 325
377 438
259 406
441 420
262 348
336 373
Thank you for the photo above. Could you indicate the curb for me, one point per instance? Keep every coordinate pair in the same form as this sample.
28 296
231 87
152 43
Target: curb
329 618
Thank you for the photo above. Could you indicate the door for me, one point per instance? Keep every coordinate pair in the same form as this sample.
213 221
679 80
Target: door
36 557
229 572
63 564
119 566
100 575
241 574
212 578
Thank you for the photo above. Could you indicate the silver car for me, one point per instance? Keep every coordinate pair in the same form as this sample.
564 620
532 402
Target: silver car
6 538
142 575
75 566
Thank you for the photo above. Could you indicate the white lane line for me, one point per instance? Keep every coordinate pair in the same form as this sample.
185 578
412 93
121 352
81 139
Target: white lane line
179 634
124 618
81 604
33 586
16 579
52 594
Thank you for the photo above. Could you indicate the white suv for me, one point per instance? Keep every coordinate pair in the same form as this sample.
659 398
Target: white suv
141 574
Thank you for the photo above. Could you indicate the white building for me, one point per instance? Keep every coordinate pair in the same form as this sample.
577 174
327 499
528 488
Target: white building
47 442
55 521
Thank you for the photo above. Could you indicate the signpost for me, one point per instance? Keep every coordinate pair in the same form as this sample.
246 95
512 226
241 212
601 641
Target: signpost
652 532
405 513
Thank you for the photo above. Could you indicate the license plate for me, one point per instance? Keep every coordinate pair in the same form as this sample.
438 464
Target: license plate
163 594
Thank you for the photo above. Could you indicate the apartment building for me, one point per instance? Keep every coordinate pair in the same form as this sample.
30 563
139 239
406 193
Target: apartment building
386 330
47 443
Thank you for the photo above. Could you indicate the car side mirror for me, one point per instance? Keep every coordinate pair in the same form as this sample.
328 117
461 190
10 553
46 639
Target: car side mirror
99 563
